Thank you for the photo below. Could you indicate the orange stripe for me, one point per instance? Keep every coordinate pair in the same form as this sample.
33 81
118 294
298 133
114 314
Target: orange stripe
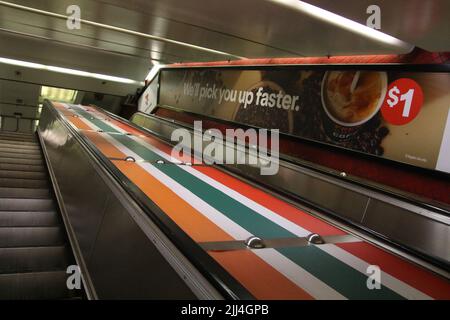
103 145
58 105
195 224
77 122
262 280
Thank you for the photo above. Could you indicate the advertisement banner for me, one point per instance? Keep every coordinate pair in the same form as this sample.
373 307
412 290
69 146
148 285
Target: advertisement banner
401 116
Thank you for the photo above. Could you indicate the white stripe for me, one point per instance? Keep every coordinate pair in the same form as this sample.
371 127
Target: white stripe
358 264
314 286
97 115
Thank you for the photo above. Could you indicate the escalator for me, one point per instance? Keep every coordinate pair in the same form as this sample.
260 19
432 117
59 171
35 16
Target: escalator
144 225
34 249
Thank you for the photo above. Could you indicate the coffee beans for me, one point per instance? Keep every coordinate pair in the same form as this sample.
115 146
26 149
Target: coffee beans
264 117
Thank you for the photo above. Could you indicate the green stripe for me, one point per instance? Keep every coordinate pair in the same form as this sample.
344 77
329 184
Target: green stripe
338 275
97 122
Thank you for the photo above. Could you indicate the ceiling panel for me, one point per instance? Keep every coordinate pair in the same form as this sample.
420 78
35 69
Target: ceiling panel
260 21
250 28
424 23
71 56
138 21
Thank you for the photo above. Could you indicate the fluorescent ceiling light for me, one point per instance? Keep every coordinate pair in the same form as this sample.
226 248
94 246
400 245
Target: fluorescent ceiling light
57 94
74 72
342 22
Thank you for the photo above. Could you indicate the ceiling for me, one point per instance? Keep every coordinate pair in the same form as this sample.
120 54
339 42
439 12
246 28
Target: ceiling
236 28
423 23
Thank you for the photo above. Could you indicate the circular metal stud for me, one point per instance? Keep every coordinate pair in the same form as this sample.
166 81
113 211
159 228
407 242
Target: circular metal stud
160 162
314 238
130 159
255 243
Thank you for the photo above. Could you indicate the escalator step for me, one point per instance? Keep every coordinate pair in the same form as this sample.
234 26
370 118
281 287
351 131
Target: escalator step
29 219
21 134
16 138
7 135
12 204
35 285
20 155
29 193
22 174
23 183
33 259
20 151
19 142
9 138
22 167
18 134
30 237
15 146
22 161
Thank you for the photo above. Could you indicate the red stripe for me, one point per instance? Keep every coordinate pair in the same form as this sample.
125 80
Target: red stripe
417 277
282 208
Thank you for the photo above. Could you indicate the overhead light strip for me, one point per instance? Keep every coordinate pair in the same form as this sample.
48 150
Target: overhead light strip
343 22
122 30
74 72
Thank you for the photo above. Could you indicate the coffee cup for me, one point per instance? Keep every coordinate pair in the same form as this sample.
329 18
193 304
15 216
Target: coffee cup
351 98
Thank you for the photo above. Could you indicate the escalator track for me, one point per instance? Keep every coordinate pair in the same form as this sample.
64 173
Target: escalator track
34 250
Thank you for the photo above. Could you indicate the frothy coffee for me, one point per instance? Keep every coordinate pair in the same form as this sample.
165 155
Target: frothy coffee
352 97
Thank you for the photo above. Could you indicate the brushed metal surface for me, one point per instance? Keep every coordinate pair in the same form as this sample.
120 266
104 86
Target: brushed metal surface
139 271
85 196
422 233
